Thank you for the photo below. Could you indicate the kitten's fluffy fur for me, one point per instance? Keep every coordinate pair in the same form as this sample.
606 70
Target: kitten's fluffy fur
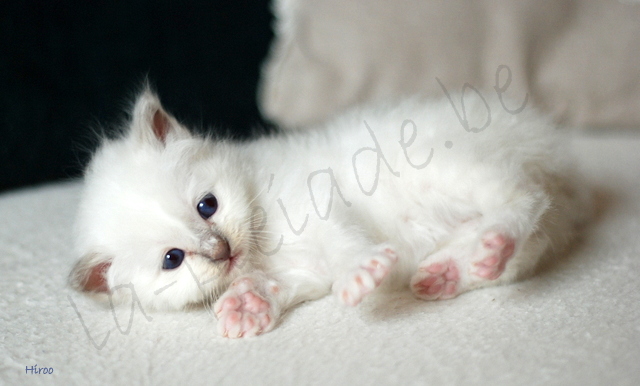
400 194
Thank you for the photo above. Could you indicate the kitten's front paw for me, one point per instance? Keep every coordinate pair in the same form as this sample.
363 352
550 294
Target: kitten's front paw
363 280
242 311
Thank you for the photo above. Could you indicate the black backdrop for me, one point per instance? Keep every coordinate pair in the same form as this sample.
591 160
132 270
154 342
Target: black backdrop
67 67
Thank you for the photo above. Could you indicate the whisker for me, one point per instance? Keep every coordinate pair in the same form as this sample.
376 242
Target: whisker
257 195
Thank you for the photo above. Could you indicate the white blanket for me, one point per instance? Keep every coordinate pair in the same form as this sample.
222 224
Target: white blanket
577 322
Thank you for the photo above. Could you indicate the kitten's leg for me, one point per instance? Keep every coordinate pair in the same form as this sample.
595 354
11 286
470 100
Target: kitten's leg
492 249
355 285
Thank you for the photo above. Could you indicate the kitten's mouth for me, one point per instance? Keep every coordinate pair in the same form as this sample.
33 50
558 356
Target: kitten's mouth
233 261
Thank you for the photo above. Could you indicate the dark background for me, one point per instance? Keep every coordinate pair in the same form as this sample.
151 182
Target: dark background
70 67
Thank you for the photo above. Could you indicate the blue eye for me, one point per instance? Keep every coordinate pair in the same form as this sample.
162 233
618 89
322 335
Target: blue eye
207 206
173 259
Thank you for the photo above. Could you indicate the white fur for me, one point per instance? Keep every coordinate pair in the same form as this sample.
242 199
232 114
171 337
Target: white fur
141 194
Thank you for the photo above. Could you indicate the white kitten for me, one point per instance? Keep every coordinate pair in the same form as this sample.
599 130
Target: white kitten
404 194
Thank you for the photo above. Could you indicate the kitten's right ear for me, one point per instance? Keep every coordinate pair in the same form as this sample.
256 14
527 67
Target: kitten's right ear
90 274
151 123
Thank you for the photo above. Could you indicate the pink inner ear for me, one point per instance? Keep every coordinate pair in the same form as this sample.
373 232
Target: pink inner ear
96 280
160 125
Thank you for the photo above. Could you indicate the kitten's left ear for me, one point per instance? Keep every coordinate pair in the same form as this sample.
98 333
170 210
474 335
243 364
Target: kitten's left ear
90 274
151 123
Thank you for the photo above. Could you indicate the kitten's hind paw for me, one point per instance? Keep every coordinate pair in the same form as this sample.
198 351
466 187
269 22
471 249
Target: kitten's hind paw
493 253
436 281
242 311
459 268
364 279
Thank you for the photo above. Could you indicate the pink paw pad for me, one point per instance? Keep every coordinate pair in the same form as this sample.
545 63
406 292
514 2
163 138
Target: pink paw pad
496 250
242 312
366 278
436 281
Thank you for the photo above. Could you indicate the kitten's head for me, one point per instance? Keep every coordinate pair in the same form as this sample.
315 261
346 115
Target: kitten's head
165 215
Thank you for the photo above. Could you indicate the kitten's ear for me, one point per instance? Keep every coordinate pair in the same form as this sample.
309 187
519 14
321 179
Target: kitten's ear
90 274
151 123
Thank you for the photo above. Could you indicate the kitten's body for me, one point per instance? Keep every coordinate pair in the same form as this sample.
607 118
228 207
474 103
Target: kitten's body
395 195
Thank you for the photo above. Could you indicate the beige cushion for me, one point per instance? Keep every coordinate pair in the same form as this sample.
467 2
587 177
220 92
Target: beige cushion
579 60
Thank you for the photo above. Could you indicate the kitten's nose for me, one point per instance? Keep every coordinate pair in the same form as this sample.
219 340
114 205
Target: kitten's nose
223 251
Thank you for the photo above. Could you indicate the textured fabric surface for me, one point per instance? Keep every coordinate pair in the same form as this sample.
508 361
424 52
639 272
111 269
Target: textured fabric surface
577 322
575 59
